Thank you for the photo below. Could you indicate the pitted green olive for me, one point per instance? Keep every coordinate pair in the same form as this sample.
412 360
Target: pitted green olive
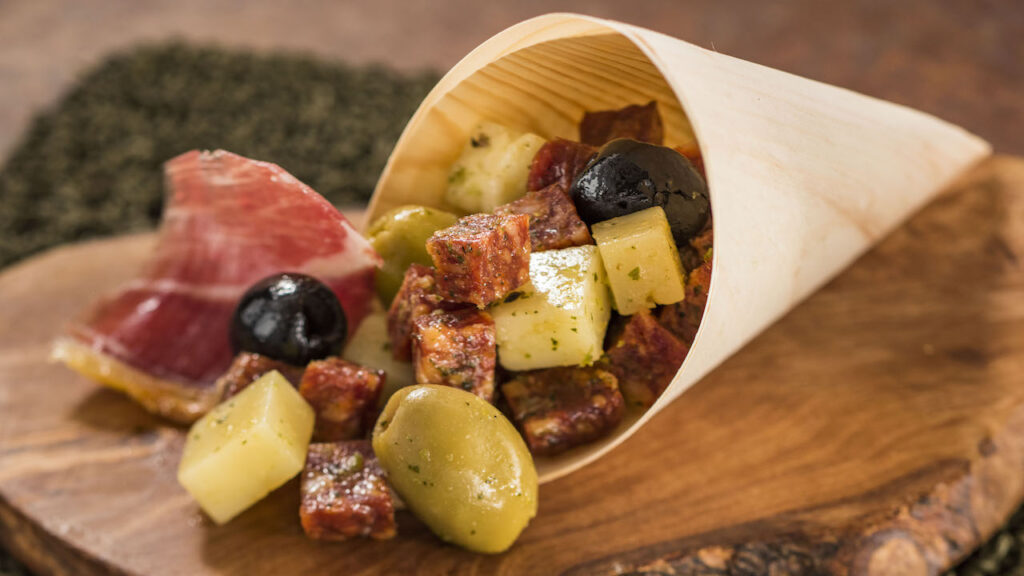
459 464
400 237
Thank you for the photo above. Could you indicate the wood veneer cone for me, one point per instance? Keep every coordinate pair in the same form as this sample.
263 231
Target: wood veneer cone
804 177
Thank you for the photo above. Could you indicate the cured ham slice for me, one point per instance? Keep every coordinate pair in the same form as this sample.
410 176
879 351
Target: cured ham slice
229 221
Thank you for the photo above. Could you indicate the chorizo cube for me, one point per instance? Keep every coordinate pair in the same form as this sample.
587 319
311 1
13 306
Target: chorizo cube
681 321
641 123
559 408
683 318
456 348
559 161
645 357
343 395
554 222
345 493
247 367
482 258
417 296
698 283
692 153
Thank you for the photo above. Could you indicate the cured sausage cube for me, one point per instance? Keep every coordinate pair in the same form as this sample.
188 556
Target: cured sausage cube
698 283
692 153
681 321
683 318
554 222
641 123
345 493
417 296
645 357
343 395
247 367
457 349
559 408
482 258
559 162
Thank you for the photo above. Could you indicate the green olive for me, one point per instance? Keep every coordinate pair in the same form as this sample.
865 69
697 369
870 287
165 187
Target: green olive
459 464
400 237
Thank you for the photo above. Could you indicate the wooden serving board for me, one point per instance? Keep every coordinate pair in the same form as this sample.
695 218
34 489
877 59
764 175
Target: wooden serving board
877 429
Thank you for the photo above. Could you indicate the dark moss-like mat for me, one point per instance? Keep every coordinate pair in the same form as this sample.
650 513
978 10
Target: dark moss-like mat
91 165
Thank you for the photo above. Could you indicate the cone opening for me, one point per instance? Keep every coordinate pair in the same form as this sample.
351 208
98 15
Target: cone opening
542 80
539 76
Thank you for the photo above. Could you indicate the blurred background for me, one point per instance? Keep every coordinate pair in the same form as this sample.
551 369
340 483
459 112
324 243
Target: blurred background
95 95
960 59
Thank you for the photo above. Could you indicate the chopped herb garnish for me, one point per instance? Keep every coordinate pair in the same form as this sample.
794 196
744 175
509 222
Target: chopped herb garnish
635 273
457 175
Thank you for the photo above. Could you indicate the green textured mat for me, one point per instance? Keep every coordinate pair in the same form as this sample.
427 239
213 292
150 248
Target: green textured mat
91 166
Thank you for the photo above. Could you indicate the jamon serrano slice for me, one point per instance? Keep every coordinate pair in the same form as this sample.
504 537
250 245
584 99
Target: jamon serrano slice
229 221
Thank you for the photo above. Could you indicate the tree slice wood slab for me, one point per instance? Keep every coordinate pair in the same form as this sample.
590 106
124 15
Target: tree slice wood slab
877 429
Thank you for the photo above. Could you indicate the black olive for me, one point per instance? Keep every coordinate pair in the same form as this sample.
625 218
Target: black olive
289 317
627 176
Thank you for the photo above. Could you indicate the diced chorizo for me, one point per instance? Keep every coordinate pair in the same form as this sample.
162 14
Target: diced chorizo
698 250
681 321
345 493
247 367
482 258
559 161
698 282
692 153
645 357
554 222
641 123
417 296
343 395
702 243
559 408
683 318
456 348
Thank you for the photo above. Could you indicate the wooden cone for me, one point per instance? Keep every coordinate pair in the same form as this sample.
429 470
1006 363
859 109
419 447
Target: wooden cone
804 177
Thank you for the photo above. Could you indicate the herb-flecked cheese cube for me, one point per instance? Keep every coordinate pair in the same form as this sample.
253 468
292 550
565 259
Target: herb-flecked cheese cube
641 259
246 447
371 347
492 169
559 318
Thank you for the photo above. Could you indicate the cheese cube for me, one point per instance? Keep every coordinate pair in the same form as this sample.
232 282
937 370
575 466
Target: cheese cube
370 346
640 256
246 447
492 169
560 317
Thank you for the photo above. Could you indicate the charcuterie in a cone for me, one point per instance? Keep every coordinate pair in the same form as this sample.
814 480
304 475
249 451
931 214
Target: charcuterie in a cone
581 221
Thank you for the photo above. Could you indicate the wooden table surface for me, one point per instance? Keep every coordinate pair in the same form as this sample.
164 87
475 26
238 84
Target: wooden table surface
961 60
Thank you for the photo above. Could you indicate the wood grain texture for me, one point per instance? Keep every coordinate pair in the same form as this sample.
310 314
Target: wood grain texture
771 144
877 429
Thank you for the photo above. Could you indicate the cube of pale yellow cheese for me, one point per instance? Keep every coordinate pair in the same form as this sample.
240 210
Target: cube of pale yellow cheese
492 169
560 317
370 346
641 259
246 447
